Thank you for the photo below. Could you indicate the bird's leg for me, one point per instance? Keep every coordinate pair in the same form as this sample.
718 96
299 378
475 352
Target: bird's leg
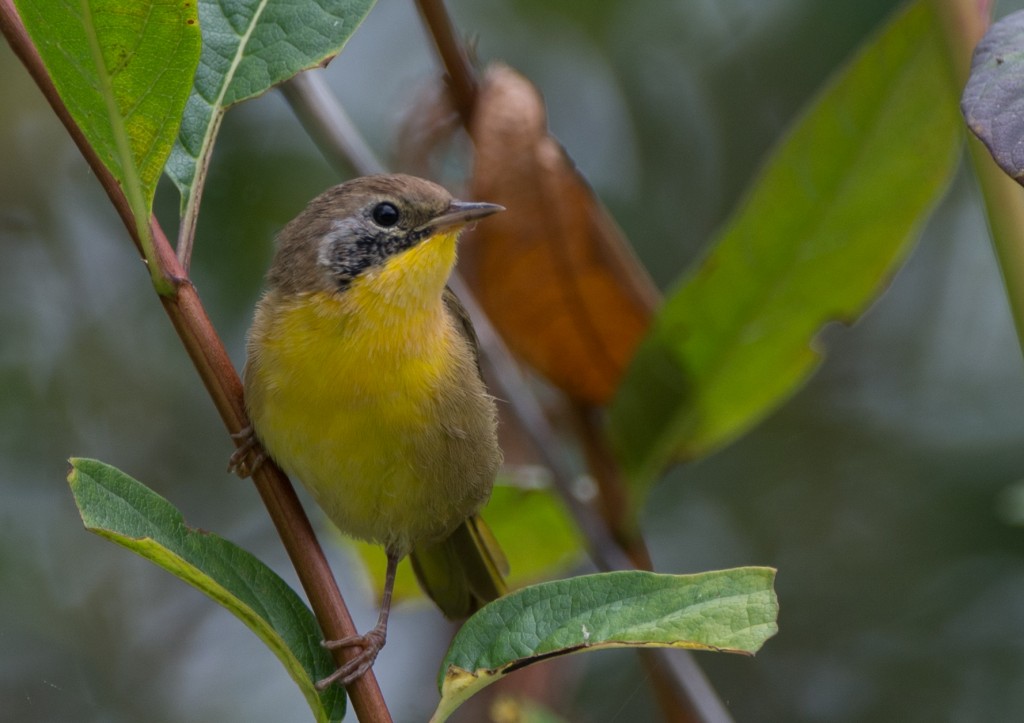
372 642
249 454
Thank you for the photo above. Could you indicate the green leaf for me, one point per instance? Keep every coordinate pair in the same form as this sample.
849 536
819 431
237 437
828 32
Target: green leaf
993 101
728 610
147 55
509 709
1010 504
248 47
554 543
121 509
828 220
124 71
551 549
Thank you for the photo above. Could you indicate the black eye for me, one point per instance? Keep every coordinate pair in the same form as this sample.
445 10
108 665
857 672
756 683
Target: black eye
385 214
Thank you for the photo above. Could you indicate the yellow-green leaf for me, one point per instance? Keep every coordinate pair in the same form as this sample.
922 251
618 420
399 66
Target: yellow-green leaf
552 547
123 510
124 70
823 228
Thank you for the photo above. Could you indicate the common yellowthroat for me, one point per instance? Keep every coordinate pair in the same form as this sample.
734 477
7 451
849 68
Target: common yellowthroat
362 381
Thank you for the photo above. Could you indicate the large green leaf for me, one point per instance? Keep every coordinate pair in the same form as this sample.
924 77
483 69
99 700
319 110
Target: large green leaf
552 548
248 47
728 610
993 101
121 509
827 221
124 71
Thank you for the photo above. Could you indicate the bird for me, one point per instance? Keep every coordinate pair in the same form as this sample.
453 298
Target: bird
362 380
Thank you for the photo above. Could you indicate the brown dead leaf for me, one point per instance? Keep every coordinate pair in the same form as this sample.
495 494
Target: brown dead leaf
554 273
427 131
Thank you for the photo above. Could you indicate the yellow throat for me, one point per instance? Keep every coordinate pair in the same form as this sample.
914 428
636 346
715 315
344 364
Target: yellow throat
362 380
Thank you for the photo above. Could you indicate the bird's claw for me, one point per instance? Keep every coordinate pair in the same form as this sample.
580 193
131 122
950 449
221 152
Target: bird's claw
354 668
249 455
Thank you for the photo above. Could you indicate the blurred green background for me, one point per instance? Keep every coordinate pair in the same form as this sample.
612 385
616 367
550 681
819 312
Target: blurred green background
889 491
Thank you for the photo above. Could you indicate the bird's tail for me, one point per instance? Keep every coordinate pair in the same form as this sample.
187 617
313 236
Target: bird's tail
464 571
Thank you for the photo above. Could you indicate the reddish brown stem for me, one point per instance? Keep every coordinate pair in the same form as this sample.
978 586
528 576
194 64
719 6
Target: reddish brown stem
224 386
684 696
461 77
613 498
680 698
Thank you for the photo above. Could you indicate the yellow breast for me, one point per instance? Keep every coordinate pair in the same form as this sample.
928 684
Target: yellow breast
372 399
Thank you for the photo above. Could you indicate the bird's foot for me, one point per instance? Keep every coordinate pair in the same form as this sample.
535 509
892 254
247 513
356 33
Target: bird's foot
354 668
249 455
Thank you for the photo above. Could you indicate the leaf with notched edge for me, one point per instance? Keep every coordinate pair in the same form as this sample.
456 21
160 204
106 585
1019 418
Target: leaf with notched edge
834 211
726 610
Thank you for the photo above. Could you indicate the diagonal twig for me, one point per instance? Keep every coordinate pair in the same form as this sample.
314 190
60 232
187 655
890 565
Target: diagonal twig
207 352
684 692
310 98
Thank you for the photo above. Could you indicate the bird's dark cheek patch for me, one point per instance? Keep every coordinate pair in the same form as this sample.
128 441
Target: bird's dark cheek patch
348 256
415 236
344 270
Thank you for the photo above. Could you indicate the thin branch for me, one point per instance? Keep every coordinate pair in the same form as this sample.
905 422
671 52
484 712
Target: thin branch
604 534
309 99
461 77
190 217
1004 208
964 22
220 379
511 385
683 691
329 125
613 494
